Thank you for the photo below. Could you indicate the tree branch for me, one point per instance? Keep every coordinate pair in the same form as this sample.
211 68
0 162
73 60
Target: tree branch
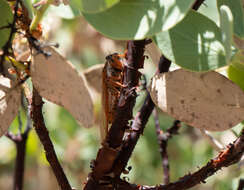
20 143
214 142
138 125
163 143
42 132
241 184
140 120
111 147
231 155
108 152
197 4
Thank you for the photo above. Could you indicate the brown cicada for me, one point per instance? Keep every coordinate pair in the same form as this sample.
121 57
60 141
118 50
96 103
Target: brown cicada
112 84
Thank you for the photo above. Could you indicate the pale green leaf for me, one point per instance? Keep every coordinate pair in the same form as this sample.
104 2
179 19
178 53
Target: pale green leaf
91 6
75 7
139 19
94 6
194 44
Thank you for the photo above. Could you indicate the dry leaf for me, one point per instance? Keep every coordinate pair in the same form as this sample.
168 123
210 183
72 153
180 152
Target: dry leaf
10 99
207 101
57 80
94 77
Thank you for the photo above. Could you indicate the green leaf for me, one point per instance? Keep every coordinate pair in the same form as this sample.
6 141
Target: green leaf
6 18
236 69
75 7
194 44
91 6
236 8
226 26
238 60
236 75
28 5
95 6
138 19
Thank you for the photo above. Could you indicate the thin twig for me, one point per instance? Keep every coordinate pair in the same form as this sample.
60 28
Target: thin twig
214 142
39 14
20 142
197 4
5 27
163 143
19 122
231 155
42 132
38 46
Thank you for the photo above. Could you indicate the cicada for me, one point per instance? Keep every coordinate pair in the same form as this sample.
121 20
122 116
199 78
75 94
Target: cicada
112 85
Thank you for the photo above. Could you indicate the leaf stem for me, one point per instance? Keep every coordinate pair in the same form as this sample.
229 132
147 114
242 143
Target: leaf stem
39 15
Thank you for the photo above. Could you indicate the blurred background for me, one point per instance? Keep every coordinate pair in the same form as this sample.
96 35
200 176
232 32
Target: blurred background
77 146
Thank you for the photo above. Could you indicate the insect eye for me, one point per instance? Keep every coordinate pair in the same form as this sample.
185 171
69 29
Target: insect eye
108 58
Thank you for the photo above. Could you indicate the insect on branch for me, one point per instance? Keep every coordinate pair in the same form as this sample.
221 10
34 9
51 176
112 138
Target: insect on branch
138 125
110 149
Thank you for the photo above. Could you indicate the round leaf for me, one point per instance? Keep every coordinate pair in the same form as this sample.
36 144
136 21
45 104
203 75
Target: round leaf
207 101
138 19
91 6
10 98
75 6
57 80
6 18
195 43
94 6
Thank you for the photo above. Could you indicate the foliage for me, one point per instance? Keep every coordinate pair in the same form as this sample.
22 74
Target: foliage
190 39
6 17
